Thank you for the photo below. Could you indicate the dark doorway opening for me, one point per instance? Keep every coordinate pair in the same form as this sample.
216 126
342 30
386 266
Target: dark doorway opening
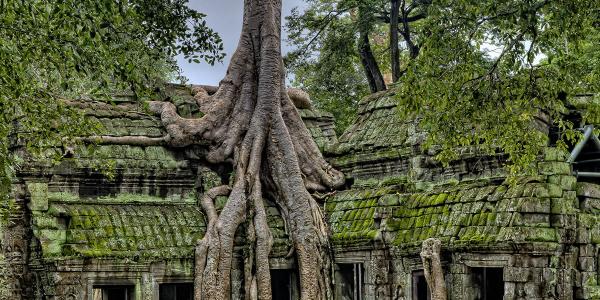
488 283
350 281
113 292
283 284
420 289
176 291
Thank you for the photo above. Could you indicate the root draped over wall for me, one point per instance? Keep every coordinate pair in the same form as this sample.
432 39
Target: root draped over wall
250 122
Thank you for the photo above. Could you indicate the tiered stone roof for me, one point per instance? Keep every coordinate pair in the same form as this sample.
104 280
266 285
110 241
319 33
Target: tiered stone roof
148 210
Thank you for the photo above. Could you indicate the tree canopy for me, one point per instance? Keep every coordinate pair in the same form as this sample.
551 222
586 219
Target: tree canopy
489 72
474 72
51 49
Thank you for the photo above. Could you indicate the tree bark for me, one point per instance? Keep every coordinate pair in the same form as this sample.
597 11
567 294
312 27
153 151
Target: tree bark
250 120
394 48
432 265
372 71
413 50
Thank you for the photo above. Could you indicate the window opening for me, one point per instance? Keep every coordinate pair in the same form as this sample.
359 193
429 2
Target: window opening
176 291
420 289
351 281
113 292
283 284
488 283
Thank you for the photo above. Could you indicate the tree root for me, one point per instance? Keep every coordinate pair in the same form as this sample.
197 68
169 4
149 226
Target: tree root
300 98
251 118
207 203
432 265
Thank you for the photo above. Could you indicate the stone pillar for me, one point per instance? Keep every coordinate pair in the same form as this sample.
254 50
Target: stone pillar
378 285
15 247
400 286
147 286
459 286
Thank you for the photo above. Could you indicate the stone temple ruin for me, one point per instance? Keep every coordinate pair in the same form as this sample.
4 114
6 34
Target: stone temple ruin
76 234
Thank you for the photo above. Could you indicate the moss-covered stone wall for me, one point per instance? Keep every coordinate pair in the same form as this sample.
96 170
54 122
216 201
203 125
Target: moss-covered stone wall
139 225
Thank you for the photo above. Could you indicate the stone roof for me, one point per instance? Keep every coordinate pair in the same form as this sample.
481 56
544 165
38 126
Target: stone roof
119 230
378 143
130 226
321 127
400 196
473 214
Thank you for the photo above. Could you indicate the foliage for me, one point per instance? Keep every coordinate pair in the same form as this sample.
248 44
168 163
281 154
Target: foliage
333 79
488 73
480 78
326 61
51 49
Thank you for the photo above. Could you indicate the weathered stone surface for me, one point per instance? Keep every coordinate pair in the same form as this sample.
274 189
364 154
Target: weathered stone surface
79 227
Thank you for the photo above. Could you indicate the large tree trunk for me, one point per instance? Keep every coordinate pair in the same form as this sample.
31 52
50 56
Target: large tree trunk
432 266
372 71
413 50
374 77
251 122
394 48
369 63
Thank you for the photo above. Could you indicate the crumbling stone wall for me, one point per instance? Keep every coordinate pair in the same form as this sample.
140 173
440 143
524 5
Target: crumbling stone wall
74 228
4 291
15 247
588 241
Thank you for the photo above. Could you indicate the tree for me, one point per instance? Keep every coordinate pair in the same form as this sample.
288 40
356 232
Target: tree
476 73
334 79
365 24
342 36
494 74
252 120
52 49
251 123
369 19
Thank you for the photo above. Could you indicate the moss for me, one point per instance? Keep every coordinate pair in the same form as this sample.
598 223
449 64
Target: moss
555 154
396 180
562 206
564 181
43 221
491 218
38 192
554 168
539 234
440 199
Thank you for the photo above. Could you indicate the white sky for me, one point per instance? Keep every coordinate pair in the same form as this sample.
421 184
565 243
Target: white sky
225 17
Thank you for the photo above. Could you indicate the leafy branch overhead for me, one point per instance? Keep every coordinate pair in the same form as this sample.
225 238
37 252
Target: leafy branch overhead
486 73
51 49
497 74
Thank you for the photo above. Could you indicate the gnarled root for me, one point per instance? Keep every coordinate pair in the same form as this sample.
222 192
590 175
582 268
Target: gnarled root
251 118
207 203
